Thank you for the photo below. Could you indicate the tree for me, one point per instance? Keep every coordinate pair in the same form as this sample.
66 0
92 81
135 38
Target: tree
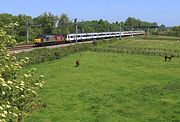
63 24
48 22
21 29
18 90
131 21
176 30
5 19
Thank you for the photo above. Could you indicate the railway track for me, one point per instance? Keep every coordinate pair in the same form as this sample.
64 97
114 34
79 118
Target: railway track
20 47
31 47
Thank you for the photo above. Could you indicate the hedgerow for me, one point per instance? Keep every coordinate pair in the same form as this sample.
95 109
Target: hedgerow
45 54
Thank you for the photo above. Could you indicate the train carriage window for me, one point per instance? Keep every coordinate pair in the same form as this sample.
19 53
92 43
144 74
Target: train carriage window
47 38
53 38
50 39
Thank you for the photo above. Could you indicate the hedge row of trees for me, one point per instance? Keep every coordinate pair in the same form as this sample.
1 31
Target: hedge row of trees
45 54
47 23
169 31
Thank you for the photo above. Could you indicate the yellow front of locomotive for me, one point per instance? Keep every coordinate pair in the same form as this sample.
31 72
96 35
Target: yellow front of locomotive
37 40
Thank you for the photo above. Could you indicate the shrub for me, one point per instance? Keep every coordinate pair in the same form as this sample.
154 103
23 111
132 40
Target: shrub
18 90
45 54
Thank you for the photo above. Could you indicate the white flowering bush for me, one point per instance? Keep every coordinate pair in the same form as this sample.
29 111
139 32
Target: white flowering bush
17 90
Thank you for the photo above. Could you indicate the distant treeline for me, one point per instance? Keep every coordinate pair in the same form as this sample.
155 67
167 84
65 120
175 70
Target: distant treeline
47 23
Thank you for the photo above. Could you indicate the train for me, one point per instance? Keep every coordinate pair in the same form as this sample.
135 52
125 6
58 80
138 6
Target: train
41 40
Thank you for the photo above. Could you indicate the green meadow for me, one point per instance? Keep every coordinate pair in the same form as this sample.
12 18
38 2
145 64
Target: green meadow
110 87
144 43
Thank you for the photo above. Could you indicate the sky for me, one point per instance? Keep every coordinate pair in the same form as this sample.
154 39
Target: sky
165 12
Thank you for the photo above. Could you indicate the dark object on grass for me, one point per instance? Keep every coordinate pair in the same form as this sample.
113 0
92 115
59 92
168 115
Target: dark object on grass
168 57
77 63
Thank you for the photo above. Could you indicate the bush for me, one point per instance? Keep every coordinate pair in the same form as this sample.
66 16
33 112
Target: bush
45 54
18 90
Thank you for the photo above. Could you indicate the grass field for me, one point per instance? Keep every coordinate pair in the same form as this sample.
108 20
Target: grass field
142 43
110 88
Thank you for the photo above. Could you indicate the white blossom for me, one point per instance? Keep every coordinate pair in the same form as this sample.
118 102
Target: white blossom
21 89
10 89
34 92
15 114
4 84
5 112
25 75
8 106
34 69
26 58
1 79
3 93
3 115
22 83
10 82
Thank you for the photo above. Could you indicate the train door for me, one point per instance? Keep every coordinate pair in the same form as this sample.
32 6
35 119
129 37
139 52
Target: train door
58 39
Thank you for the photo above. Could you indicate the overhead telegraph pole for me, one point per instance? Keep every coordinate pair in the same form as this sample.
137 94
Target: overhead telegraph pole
132 32
27 31
148 31
120 31
75 21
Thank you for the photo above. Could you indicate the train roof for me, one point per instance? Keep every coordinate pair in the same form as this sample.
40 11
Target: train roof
73 34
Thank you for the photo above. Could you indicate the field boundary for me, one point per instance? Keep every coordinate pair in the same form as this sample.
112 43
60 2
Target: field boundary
42 55
162 38
138 51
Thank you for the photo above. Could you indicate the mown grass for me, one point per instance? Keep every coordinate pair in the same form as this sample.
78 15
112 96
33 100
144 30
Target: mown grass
110 88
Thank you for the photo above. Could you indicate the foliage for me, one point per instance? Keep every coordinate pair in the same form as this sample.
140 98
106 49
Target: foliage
47 23
173 31
45 54
131 21
17 90
63 24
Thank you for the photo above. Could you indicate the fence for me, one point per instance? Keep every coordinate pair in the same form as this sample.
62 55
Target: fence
162 38
43 55
138 51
